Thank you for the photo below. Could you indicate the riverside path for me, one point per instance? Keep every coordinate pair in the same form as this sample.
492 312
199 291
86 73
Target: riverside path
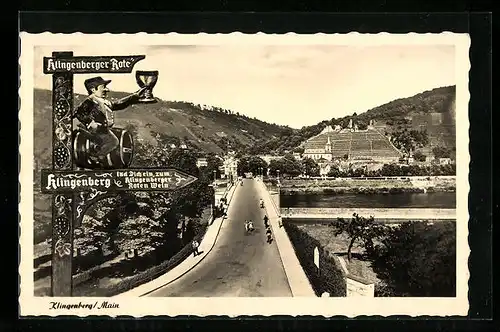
240 264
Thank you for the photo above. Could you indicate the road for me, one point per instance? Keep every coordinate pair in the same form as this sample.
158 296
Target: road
240 264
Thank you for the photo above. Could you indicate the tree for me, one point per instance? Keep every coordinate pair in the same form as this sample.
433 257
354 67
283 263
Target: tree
183 160
91 236
252 164
391 170
213 164
418 259
149 155
441 152
291 166
359 229
140 232
362 125
408 140
334 172
310 167
419 156
190 201
275 165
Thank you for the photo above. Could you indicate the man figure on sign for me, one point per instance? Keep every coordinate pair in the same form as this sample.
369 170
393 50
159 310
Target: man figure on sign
96 114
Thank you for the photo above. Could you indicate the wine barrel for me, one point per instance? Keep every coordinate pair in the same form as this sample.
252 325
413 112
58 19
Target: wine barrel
121 157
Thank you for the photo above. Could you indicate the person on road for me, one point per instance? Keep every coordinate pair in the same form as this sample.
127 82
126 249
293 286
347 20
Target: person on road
250 226
246 225
269 235
261 202
195 245
266 221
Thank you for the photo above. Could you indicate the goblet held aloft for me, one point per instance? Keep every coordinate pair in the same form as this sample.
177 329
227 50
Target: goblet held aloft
147 79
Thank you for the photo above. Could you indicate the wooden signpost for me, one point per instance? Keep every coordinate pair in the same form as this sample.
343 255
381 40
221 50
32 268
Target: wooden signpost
75 190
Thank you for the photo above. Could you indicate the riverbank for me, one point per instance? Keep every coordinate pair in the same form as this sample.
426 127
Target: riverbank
369 186
396 215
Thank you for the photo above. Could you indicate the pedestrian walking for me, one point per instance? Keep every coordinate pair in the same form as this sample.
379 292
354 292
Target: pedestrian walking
266 221
195 245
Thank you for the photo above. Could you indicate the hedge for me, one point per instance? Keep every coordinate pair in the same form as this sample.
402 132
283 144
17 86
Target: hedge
330 277
83 266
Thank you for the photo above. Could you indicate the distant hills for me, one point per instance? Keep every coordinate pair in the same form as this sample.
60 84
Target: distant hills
433 110
214 129
206 128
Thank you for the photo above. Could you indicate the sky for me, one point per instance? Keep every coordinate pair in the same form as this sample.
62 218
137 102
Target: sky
294 85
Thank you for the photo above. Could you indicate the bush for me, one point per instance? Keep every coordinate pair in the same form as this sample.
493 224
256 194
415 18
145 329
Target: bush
83 263
418 259
329 191
330 277
396 191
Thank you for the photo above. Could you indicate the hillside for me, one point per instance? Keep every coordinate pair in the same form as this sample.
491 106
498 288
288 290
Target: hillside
210 129
433 110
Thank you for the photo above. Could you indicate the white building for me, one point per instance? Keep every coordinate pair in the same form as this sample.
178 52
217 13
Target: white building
318 148
201 162
351 144
230 166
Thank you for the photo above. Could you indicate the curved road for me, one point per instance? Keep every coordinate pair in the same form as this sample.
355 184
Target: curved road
240 264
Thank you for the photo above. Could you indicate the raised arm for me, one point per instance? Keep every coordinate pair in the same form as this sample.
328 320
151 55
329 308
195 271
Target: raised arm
127 101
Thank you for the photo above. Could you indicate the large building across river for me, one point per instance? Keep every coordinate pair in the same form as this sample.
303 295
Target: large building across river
351 144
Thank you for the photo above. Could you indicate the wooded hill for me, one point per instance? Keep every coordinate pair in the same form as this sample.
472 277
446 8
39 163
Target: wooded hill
416 112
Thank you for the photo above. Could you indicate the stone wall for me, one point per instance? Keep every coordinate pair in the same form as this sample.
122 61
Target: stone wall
381 213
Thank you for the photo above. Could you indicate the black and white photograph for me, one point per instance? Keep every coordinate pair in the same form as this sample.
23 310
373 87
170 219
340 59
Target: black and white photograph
244 174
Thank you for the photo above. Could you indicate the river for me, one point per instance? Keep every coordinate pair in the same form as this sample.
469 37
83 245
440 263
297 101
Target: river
444 200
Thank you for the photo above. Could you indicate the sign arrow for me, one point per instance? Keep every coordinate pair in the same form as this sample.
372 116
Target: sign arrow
114 180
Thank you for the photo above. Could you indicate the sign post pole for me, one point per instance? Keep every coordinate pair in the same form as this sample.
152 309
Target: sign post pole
62 159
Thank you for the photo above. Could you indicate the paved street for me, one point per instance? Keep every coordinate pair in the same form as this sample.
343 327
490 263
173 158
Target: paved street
240 264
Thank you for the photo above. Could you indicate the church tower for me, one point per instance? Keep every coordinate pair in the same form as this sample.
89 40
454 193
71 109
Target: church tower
328 146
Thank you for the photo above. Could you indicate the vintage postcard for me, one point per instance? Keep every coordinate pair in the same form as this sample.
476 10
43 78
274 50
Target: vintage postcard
244 174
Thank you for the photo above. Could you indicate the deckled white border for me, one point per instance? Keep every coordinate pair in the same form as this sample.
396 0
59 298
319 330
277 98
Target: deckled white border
350 307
